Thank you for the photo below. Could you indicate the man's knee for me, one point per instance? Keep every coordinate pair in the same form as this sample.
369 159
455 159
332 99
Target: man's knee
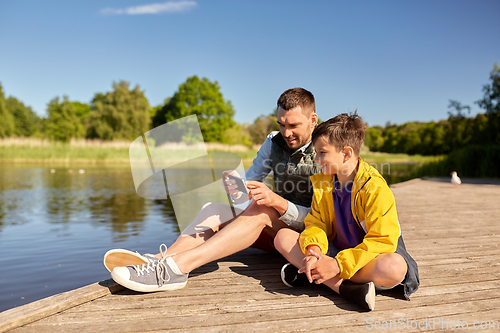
263 214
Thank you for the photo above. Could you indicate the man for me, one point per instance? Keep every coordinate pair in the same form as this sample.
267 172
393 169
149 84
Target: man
290 155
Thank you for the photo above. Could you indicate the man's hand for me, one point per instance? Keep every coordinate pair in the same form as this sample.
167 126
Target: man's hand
262 195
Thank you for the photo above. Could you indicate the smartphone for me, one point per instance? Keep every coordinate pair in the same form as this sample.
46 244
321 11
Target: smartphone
240 183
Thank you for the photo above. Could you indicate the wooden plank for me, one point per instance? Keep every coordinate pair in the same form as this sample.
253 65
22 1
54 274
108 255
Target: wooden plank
315 313
458 263
48 306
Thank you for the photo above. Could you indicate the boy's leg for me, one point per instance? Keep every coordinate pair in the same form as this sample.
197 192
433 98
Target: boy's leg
287 243
385 270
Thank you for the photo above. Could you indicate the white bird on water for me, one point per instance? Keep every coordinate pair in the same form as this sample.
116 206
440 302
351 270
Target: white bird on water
455 180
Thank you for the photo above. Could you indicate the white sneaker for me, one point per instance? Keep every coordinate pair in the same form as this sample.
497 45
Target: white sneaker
156 275
120 258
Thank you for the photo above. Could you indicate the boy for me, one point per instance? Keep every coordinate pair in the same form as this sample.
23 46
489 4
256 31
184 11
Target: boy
352 239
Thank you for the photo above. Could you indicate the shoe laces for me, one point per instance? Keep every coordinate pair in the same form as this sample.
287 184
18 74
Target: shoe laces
158 266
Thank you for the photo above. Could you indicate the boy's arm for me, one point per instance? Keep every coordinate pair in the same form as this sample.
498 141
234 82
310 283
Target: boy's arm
382 235
316 231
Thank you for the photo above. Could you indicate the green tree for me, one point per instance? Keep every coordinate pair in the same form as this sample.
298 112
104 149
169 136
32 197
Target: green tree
262 126
432 138
392 139
459 131
237 135
26 122
6 118
374 139
121 114
480 129
82 111
202 98
63 122
491 103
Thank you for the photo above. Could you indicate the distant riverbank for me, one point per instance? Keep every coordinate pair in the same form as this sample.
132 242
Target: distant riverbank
98 152
85 152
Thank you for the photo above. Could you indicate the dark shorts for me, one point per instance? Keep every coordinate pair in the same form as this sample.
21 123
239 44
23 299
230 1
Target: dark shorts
265 242
411 280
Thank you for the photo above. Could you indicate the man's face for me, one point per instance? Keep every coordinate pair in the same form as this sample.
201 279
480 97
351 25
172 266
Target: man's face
295 127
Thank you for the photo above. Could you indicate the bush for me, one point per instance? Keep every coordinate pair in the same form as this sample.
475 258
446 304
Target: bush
470 161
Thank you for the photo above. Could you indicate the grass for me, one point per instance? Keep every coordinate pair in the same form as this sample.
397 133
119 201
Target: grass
33 150
21 150
376 157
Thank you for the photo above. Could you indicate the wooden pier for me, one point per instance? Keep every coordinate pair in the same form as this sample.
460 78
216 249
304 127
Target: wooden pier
452 232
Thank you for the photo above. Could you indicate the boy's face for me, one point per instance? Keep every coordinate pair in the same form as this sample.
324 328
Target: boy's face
295 127
327 156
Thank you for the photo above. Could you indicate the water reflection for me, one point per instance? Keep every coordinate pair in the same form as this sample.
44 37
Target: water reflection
55 227
395 172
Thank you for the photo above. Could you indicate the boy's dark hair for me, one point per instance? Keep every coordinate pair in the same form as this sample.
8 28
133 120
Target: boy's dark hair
342 131
297 97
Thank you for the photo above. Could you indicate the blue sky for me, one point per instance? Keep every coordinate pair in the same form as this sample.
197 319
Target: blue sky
393 61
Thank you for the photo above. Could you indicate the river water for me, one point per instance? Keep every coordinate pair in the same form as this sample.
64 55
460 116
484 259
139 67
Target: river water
57 223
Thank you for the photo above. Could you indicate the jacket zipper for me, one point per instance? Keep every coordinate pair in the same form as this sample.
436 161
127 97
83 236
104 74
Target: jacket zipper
355 211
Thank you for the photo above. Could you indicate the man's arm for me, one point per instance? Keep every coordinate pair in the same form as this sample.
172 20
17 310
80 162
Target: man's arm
261 165
295 215
262 195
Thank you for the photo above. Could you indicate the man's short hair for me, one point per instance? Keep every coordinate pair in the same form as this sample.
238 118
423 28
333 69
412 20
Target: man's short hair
342 131
297 97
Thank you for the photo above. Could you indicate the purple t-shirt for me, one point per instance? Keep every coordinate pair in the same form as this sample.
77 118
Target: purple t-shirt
349 234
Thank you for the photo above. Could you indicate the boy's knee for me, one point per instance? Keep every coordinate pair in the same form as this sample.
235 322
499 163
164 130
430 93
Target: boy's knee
394 266
278 240
284 240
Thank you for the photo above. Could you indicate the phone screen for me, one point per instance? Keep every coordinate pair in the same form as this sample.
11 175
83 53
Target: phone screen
240 183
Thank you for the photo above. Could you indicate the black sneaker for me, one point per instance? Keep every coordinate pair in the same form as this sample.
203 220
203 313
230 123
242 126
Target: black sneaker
363 294
291 277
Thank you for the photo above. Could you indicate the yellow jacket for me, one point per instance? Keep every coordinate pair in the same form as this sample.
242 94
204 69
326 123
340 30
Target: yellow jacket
374 209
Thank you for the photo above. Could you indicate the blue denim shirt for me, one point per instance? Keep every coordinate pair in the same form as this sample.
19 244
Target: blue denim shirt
295 214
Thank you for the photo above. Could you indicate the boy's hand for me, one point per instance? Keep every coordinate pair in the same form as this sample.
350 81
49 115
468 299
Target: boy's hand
262 195
310 261
326 268
318 267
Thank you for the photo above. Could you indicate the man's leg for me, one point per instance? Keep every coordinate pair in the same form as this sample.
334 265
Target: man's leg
170 272
210 220
236 236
